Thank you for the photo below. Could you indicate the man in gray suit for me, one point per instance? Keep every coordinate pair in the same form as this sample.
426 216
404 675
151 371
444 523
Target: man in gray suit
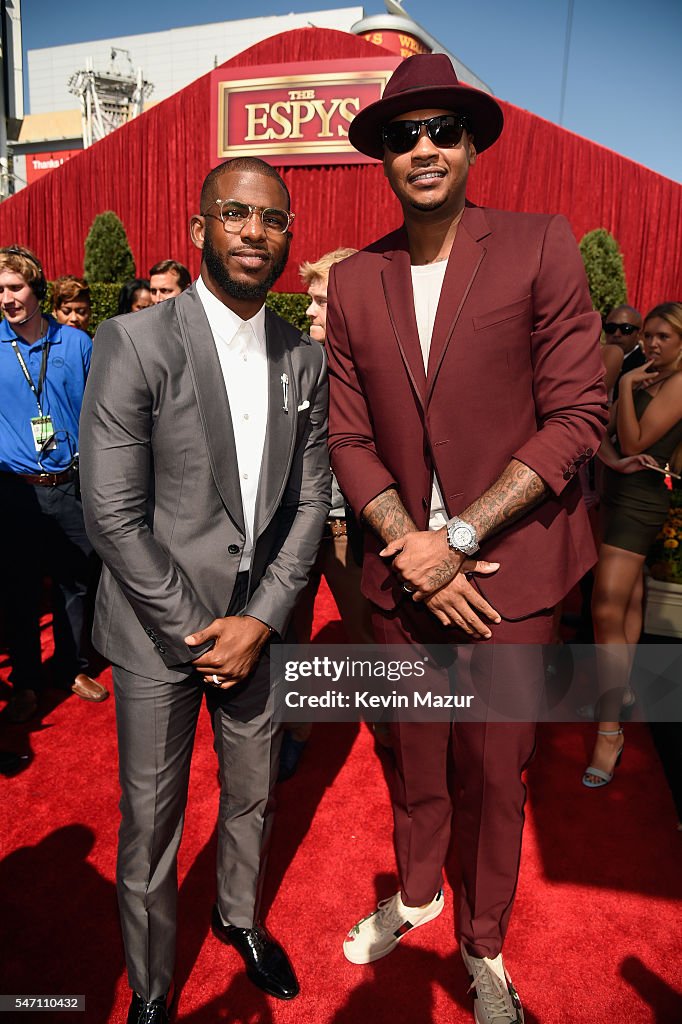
205 485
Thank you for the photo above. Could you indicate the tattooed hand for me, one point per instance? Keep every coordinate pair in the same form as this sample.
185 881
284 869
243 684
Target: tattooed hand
424 561
460 604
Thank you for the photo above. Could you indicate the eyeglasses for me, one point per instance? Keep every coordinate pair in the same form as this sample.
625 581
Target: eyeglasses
444 130
625 329
235 215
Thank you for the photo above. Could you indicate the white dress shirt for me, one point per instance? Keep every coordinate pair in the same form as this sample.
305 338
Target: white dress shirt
243 359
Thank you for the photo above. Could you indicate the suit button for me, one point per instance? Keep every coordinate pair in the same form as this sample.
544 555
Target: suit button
572 470
233 549
567 475
589 453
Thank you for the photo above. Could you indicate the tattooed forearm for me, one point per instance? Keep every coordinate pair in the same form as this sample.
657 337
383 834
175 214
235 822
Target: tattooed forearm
514 493
387 516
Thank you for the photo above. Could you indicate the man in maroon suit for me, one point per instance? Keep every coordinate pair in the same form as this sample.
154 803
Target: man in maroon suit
466 390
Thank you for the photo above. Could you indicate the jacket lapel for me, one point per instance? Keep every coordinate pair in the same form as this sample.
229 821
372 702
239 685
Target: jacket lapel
214 407
397 283
280 433
463 264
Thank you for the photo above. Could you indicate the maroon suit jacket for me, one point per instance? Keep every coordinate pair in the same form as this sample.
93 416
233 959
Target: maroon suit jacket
514 372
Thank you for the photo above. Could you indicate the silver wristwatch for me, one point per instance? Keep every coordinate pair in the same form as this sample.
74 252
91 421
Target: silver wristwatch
461 536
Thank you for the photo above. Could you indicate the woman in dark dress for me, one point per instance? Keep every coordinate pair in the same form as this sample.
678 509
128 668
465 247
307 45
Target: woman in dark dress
134 295
647 420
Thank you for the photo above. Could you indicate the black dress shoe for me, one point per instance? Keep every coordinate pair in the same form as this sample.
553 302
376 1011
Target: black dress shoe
267 965
140 1012
290 756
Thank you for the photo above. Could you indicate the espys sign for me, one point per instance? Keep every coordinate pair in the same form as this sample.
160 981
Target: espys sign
295 114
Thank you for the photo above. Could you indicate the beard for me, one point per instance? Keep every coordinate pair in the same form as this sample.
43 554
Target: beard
426 204
249 290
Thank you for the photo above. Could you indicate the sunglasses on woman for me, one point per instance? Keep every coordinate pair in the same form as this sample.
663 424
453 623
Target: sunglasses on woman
444 130
626 329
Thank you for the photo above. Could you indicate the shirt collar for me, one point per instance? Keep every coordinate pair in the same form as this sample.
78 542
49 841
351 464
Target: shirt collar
225 323
53 333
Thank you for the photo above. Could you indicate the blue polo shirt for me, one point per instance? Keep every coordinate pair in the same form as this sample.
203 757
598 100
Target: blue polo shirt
61 398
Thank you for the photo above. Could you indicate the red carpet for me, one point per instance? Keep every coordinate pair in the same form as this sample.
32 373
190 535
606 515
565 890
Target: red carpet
596 937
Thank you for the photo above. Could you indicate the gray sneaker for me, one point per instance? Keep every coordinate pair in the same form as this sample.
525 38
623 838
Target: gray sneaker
496 1000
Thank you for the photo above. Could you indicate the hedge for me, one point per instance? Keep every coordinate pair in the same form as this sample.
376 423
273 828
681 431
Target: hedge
291 306
104 298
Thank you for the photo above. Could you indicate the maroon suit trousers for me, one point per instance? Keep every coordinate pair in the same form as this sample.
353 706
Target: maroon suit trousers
471 769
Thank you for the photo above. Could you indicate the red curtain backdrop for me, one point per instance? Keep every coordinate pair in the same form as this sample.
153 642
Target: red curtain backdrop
150 173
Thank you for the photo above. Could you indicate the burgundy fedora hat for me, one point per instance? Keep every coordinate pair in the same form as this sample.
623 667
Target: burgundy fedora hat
426 81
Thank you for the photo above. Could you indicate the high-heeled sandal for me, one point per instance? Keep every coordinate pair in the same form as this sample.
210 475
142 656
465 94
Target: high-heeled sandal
603 778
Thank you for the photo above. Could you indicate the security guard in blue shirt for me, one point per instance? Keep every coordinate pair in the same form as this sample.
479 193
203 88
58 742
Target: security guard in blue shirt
43 370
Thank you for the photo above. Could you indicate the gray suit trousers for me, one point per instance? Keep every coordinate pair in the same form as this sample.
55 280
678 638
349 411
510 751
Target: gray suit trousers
156 727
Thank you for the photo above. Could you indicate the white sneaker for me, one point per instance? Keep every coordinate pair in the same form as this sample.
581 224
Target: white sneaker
381 931
496 1000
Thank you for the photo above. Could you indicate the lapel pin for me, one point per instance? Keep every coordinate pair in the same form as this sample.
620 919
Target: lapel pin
285 392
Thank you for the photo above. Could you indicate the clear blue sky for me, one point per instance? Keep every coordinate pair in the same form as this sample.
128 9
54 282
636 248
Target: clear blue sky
624 86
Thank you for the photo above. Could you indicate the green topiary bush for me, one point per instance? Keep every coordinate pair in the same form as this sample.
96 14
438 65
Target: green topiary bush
290 306
108 256
604 268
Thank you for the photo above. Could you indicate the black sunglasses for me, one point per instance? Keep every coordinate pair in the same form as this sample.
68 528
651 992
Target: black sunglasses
444 130
625 329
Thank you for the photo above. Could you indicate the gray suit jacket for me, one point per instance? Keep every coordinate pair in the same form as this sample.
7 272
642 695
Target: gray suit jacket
160 486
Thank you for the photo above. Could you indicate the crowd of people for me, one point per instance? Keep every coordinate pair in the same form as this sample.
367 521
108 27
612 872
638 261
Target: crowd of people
42 515
191 479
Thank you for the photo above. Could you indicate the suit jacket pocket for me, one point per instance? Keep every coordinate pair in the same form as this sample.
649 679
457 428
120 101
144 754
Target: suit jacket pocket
503 313
302 421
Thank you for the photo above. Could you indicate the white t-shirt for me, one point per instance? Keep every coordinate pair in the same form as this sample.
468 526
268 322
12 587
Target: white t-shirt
427 282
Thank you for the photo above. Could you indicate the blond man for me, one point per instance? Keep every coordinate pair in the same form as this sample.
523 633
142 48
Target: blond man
340 556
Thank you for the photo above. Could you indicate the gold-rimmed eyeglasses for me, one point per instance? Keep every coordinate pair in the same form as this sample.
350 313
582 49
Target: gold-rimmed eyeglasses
235 215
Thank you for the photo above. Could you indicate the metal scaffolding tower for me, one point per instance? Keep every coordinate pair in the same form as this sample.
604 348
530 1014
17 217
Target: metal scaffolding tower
109 98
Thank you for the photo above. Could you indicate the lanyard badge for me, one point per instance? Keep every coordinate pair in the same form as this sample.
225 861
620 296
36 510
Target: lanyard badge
42 429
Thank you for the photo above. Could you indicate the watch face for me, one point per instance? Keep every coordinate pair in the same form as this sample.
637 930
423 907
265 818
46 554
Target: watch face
462 537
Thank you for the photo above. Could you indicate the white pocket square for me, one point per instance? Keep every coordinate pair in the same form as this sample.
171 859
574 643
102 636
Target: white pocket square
302 406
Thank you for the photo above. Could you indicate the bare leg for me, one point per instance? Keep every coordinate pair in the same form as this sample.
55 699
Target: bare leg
634 620
617 613
633 615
